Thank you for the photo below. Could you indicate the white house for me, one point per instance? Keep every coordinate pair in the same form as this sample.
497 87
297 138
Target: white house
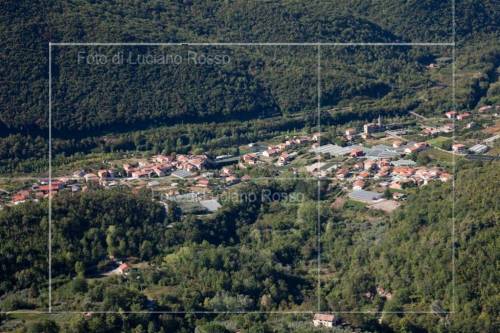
325 320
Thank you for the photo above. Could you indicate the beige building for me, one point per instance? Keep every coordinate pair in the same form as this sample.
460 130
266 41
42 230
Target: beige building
325 320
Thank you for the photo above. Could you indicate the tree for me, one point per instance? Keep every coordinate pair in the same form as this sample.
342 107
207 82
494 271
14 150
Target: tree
112 241
80 269
387 193
423 159
146 250
46 326
174 211
212 328
80 285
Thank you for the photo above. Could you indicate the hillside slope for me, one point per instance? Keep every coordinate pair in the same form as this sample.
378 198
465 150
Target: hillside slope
28 27
412 258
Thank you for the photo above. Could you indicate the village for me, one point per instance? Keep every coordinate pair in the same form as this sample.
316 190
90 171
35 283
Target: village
375 164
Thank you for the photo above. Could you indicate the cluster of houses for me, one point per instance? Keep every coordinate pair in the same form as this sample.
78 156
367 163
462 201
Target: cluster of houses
159 166
181 166
162 165
360 167
283 158
393 174
377 165
382 152
39 190
460 148
429 130
458 116
281 152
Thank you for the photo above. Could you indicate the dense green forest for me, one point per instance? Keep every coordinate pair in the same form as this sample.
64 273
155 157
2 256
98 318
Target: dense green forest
275 83
254 266
84 235
412 256
258 82
389 81
256 255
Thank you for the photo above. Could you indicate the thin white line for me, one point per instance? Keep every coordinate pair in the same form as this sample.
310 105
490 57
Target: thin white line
453 22
454 102
318 44
50 177
223 312
252 44
318 222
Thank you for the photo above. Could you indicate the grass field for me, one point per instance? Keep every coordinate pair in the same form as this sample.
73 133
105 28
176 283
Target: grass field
444 158
438 141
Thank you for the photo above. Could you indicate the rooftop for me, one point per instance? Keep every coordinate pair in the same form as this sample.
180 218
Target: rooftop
324 317
381 151
182 174
334 150
365 196
403 163
479 148
211 205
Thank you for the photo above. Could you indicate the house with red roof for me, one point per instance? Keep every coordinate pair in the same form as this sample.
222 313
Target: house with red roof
458 148
325 320
271 151
123 269
358 185
485 108
55 186
363 175
463 116
202 182
250 159
20 197
451 114
350 132
342 173
283 159
403 171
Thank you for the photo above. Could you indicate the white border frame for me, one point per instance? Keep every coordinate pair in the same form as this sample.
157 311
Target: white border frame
318 46
318 226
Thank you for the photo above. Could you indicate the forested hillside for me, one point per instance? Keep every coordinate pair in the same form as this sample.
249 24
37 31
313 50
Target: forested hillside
29 26
87 229
136 147
409 255
412 257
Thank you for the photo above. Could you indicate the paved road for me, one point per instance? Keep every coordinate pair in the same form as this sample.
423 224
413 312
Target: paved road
449 152
418 115
395 135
